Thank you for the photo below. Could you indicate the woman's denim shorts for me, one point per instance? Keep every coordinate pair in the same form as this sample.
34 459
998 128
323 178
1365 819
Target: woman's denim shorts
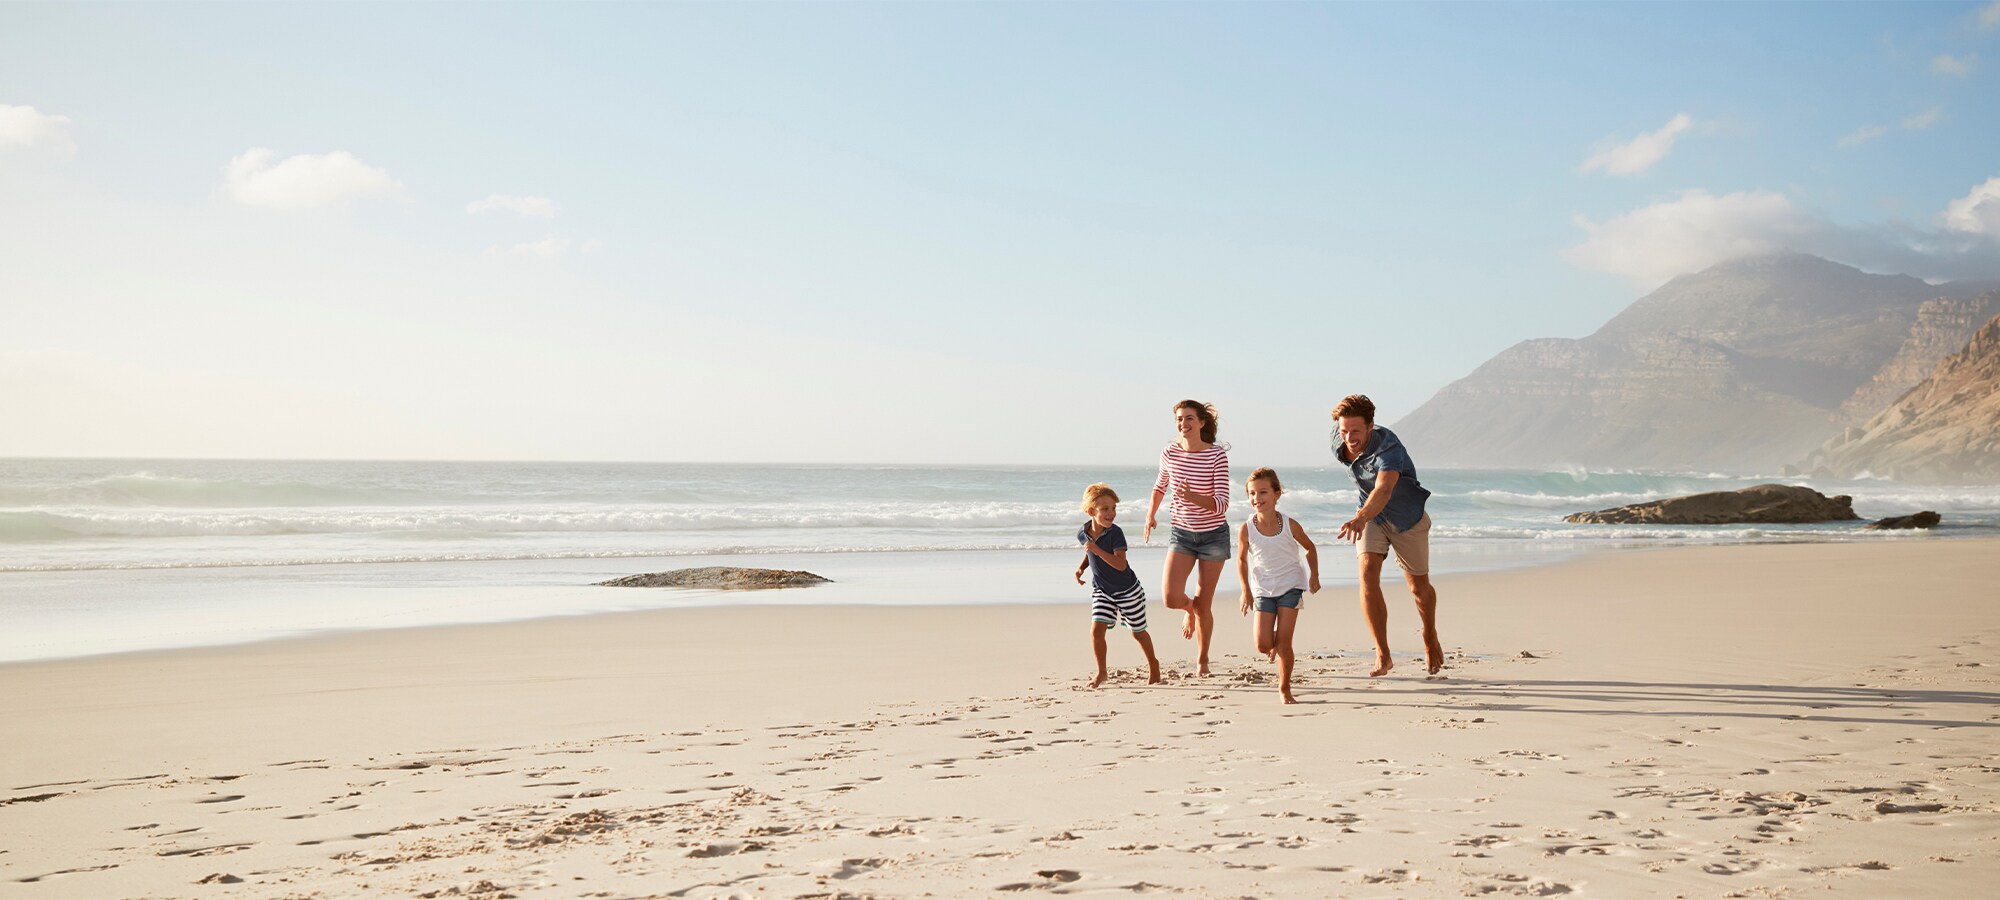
1212 544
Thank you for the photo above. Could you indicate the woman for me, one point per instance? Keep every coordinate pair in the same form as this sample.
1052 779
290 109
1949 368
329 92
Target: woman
1194 472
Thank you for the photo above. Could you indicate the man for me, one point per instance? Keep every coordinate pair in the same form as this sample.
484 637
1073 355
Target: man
1391 517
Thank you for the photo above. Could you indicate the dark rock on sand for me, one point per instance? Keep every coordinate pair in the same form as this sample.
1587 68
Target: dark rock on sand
1770 504
720 577
1925 519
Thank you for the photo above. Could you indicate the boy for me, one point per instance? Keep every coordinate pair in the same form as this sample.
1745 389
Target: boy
1115 592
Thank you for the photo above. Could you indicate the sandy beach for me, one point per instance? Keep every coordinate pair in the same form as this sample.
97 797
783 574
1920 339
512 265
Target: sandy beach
1771 720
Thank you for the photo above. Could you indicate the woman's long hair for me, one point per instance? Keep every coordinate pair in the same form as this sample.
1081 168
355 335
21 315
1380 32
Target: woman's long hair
1209 420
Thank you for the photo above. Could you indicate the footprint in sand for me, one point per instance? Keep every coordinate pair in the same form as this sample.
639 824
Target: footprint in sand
33 879
1386 876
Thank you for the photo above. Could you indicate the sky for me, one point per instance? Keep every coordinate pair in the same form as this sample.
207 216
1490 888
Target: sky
1006 233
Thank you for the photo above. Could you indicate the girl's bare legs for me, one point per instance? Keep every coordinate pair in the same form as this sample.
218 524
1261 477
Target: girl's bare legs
1097 630
1288 621
1179 566
1203 612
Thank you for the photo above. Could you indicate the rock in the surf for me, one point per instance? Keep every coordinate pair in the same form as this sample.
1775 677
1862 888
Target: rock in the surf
1925 519
727 577
1761 504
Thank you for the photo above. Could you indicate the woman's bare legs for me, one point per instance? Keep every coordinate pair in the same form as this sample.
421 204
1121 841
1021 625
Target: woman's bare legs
1203 612
1179 566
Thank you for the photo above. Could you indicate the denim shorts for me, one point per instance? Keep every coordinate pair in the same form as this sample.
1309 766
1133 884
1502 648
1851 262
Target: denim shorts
1212 544
1289 600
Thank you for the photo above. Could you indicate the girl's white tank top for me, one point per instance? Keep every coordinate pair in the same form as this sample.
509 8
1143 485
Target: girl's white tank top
1275 560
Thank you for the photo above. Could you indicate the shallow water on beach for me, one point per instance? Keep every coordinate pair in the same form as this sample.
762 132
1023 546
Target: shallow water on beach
111 555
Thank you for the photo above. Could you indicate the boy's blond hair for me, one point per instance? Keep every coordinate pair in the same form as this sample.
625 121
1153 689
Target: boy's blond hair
1095 493
1269 474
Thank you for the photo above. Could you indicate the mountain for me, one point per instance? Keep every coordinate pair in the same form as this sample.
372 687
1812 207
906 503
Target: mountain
1743 367
1942 327
1945 430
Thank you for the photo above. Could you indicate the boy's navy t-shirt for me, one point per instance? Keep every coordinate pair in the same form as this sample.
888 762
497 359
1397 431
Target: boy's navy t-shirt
1102 574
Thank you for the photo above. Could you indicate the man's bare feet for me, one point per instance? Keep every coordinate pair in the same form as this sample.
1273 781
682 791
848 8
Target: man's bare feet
1187 626
1286 693
1097 682
1433 656
1382 666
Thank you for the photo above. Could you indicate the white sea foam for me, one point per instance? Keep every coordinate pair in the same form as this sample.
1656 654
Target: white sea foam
1542 500
53 524
82 514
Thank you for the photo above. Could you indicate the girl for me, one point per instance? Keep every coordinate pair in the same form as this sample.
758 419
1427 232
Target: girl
1194 471
1270 571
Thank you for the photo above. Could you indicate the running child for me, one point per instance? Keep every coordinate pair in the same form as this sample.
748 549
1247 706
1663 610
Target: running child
1272 577
1115 592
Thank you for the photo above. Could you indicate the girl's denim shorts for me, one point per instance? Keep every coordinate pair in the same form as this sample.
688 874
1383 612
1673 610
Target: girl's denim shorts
1212 544
1287 600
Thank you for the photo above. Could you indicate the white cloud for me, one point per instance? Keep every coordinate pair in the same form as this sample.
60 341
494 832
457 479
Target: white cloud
1990 16
1953 66
540 207
1861 136
25 126
549 248
1867 133
1640 153
1977 212
305 180
1695 230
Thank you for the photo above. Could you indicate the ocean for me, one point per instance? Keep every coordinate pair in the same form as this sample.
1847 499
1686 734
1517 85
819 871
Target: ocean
117 555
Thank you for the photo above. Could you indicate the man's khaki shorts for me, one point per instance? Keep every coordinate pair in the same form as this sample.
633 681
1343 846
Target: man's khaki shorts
1413 547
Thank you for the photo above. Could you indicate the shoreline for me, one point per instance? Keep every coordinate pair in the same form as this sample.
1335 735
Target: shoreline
263 603
1703 721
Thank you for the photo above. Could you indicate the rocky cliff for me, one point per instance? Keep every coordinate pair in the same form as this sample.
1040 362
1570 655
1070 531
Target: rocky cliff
1943 326
1944 430
1744 366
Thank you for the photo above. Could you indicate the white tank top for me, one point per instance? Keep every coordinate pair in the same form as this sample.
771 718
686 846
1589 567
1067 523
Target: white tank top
1275 560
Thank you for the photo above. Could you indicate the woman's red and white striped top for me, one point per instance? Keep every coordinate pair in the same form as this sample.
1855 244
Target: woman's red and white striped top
1204 472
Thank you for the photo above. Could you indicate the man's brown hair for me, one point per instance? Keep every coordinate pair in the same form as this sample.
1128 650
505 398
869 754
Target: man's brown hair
1355 405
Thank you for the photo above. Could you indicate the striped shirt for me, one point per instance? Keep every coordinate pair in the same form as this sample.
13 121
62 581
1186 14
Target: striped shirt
1204 472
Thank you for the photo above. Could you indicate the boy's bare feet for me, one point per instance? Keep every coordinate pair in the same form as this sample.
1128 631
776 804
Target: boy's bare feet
1097 682
1382 666
1286 693
1154 678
